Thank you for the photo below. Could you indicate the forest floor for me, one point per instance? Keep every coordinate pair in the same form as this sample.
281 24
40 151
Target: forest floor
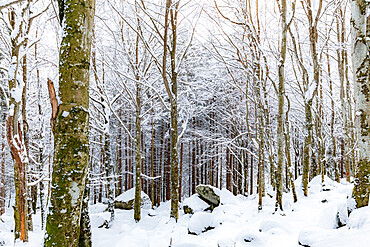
313 221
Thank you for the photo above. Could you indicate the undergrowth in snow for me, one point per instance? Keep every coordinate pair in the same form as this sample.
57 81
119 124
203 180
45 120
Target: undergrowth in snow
312 221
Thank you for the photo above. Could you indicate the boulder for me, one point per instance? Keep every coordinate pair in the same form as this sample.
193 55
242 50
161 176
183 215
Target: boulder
127 198
194 204
273 227
312 236
359 218
209 194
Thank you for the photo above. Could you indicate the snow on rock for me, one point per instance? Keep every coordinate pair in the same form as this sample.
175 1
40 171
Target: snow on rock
315 185
328 217
310 235
226 197
98 219
201 222
127 198
272 227
190 244
342 214
359 218
194 204
226 242
152 213
250 237
209 194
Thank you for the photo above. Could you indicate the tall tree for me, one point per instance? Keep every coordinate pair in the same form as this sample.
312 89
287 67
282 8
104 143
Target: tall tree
310 88
15 130
361 67
71 130
280 117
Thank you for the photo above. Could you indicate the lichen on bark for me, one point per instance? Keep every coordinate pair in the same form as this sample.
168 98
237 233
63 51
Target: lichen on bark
71 135
361 61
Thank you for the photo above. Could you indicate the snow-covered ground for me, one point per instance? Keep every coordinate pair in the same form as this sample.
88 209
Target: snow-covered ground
237 222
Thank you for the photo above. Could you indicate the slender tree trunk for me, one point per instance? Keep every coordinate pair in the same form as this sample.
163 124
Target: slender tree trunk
3 117
109 173
181 161
2 188
333 158
119 158
152 153
228 170
251 176
280 116
15 135
289 178
138 147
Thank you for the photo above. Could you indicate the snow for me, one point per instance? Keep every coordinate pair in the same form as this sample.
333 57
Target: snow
195 203
359 218
236 222
201 222
310 91
129 195
65 114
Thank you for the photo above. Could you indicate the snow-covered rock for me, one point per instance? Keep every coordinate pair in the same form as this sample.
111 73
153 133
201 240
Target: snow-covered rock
209 194
252 237
226 197
127 198
328 217
98 219
202 222
309 236
194 204
316 185
152 213
359 218
225 242
342 214
272 227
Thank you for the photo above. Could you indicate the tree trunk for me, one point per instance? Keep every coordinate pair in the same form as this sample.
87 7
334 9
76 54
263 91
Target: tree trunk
361 67
138 150
280 116
71 155
15 135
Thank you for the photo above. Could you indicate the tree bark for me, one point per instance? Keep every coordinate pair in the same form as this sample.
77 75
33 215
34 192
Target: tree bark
71 155
361 67
280 116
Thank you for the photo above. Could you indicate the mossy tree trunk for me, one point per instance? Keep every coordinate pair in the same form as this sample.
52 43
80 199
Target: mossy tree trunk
71 132
361 67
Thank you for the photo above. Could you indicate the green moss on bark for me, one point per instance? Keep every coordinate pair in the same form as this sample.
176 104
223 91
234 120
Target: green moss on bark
71 138
362 183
